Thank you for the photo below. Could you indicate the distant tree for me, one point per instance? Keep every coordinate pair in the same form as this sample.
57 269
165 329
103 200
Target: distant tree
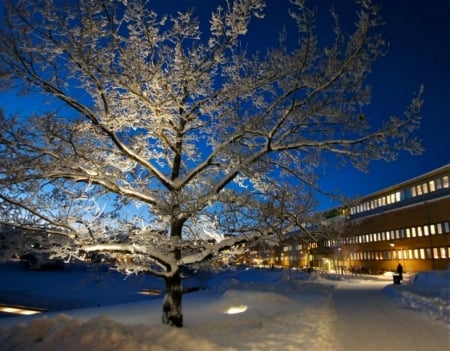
150 124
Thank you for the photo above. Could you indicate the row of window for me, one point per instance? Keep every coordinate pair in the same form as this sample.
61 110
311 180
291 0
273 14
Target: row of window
395 234
407 254
404 194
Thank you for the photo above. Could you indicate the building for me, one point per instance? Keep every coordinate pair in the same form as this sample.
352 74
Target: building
407 223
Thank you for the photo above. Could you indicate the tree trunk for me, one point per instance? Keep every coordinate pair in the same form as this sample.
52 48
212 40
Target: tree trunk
172 311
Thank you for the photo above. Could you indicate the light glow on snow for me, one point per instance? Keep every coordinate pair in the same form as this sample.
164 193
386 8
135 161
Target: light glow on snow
18 310
236 309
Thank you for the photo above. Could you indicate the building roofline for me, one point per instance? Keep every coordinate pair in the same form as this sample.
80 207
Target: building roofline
405 183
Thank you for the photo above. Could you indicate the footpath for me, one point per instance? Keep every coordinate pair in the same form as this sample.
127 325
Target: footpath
368 319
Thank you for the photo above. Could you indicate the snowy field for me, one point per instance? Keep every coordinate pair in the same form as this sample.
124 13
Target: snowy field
242 309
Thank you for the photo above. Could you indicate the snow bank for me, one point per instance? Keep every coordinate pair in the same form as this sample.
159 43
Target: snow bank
428 292
99 334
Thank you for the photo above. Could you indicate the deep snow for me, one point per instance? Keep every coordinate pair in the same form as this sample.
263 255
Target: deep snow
277 309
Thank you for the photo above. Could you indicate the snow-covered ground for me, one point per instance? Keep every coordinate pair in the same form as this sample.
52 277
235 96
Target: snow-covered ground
242 309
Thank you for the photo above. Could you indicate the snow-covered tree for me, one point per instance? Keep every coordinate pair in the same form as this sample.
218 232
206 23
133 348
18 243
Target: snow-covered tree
146 125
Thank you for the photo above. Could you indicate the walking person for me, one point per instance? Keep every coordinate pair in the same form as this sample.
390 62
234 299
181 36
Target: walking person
400 271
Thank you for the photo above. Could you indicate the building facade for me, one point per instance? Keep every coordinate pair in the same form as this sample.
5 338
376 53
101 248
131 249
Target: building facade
408 223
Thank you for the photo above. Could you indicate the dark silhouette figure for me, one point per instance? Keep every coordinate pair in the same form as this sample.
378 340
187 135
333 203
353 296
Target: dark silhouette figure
400 271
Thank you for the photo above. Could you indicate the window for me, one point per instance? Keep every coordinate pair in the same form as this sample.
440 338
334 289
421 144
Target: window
439 228
419 231
447 227
432 229
425 230
398 196
413 232
438 183
413 192
410 254
425 188
445 183
422 254
443 252
431 186
435 252
408 232
419 190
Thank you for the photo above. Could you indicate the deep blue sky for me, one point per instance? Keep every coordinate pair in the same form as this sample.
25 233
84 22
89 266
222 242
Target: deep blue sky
418 32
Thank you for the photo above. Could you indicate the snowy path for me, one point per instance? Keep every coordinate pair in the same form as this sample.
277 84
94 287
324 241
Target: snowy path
365 315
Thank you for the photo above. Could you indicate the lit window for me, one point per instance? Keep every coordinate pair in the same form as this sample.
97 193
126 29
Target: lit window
419 231
388 235
419 190
422 254
408 232
425 230
432 229
416 254
413 232
443 253
383 200
445 182
392 198
425 188
439 228
410 252
435 252
413 192
398 196
397 234
432 186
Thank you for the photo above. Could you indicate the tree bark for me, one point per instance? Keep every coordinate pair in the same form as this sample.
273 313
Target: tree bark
172 311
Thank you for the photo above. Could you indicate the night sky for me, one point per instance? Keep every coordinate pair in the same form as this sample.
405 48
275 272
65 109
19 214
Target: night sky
418 32
419 53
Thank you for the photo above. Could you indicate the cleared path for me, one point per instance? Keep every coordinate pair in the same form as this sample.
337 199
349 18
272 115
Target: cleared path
368 319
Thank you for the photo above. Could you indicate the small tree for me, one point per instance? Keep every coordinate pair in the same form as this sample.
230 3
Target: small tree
150 125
